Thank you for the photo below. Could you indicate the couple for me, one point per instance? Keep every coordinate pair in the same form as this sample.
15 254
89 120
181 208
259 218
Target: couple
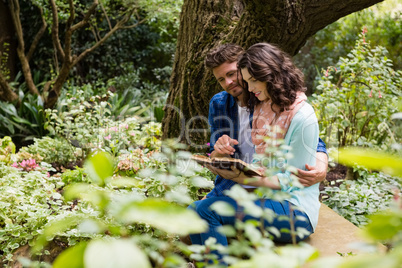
263 89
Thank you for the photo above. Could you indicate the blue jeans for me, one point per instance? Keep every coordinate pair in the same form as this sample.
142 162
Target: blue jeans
214 220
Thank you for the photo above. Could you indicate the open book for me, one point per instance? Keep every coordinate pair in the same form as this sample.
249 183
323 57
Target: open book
226 163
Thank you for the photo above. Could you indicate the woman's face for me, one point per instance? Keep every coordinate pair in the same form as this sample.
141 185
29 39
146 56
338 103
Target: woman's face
258 88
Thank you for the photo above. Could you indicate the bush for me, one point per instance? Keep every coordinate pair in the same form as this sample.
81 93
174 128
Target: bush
27 201
356 200
358 97
51 150
383 22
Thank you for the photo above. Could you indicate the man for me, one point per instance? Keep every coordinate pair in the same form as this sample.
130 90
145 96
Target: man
229 119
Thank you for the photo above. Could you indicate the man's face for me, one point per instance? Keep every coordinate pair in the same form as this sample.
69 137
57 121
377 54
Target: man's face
226 74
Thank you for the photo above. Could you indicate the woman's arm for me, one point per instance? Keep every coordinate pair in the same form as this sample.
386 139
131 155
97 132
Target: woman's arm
302 137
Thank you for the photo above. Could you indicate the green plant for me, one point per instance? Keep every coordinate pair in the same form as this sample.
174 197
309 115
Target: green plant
150 96
23 123
51 150
384 226
383 22
93 124
27 201
355 200
74 176
122 211
7 148
355 104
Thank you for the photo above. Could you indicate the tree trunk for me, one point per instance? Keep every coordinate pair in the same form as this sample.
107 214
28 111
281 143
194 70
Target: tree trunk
7 43
206 23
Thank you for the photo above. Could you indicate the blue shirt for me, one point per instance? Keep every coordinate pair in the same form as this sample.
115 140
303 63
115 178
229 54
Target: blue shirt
223 119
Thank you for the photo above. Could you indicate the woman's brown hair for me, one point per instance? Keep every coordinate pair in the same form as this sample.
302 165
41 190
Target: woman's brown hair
268 63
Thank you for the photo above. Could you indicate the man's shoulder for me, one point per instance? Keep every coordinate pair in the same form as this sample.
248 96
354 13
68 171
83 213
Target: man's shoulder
221 97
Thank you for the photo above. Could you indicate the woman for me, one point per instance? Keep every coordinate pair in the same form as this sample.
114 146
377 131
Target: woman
276 91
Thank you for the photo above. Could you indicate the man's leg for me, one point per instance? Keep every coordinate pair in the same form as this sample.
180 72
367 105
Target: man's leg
300 219
214 220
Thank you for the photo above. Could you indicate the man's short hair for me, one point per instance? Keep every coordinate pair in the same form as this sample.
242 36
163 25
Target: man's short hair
221 54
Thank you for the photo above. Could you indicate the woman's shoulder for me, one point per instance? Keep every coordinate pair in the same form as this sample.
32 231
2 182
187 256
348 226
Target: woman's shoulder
305 114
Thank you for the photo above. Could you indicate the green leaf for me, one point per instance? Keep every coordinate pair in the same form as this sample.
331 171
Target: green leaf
96 196
123 182
166 216
55 227
71 257
223 208
384 226
114 253
387 163
99 166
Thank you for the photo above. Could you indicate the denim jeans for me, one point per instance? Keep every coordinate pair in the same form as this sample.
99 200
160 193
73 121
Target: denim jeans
214 220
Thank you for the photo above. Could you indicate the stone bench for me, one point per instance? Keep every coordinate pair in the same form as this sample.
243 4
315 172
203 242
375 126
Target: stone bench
335 234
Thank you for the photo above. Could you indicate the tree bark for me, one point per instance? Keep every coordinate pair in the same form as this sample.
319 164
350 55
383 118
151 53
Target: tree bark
206 23
7 43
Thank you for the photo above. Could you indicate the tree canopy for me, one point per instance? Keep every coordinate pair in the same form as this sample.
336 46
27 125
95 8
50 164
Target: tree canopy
64 20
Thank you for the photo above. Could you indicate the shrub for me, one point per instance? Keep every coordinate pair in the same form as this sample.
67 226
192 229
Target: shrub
356 103
383 21
25 122
357 199
27 201
51 150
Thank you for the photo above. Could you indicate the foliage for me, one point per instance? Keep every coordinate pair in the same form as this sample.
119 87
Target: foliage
74 176
27 201
7 148
53 150
356 103
355 200
383 227
143 49
383 22
23 123
78 29
134 92
104 122
123 212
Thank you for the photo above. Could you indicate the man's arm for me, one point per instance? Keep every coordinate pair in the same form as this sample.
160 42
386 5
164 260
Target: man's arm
317 173
314 174
221 145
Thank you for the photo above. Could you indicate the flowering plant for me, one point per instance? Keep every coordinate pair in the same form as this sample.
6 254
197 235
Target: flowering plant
358 97
26 165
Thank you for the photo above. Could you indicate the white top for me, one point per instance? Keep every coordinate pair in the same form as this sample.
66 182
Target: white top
246 146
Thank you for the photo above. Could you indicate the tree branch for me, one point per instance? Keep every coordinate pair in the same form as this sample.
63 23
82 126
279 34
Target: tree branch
106 16
324 12
15 14
71 28
100 42
134 25
55 30
86 18
119 25
38 36
26 70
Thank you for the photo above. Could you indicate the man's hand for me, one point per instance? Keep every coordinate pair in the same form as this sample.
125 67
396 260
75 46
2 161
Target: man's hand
224 146
314 174
233 174
238 176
